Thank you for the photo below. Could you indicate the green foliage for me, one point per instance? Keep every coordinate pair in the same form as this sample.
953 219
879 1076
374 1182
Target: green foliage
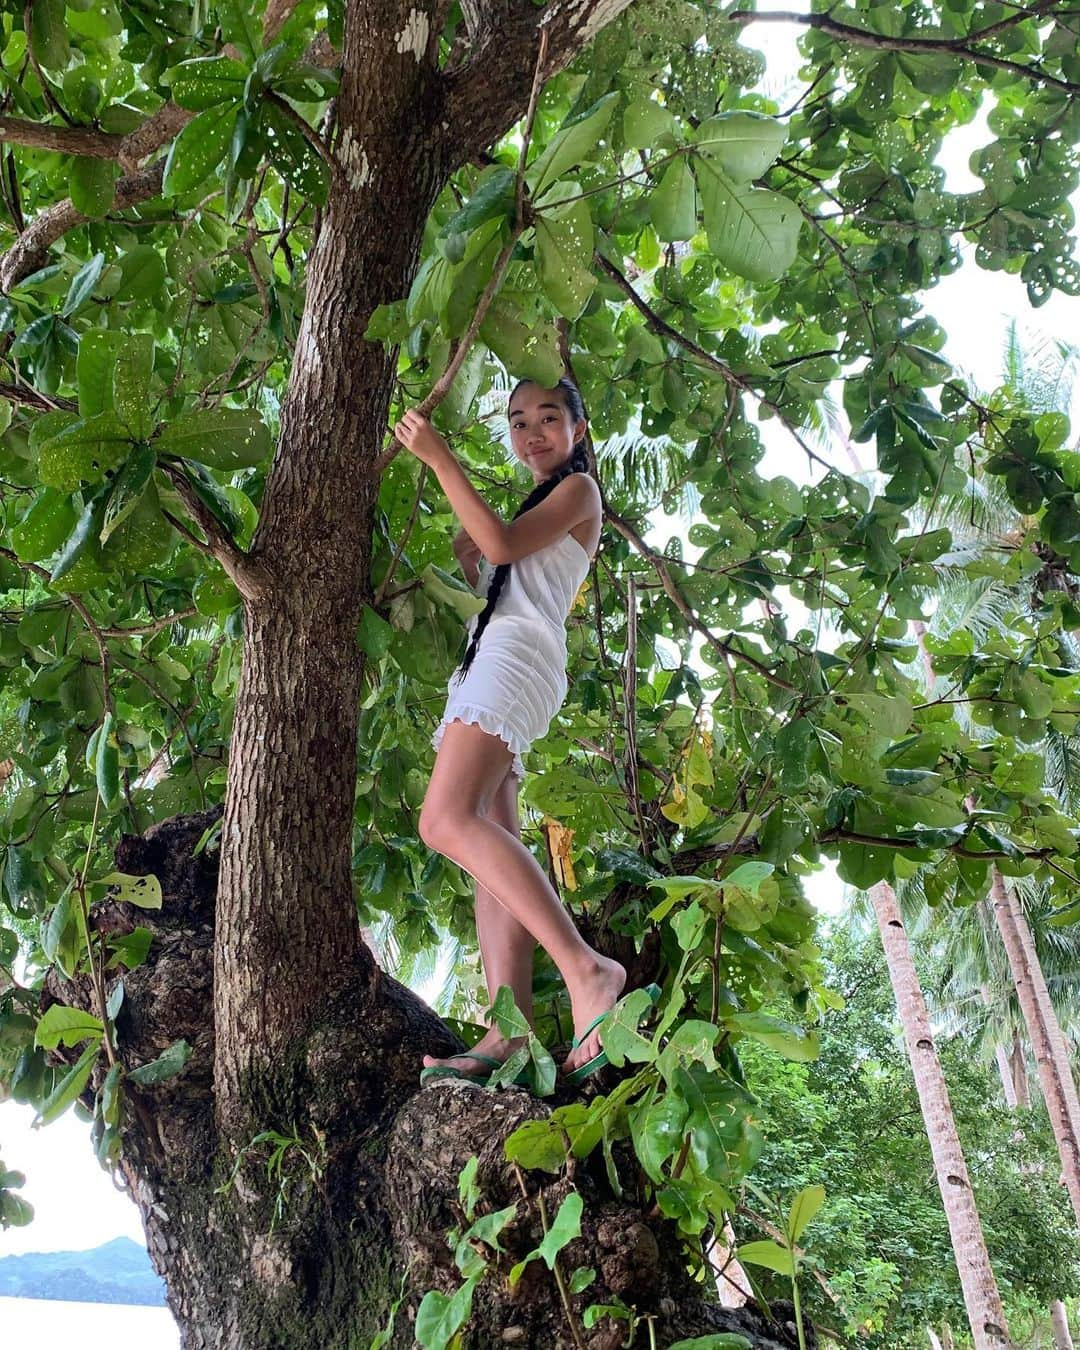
849 1122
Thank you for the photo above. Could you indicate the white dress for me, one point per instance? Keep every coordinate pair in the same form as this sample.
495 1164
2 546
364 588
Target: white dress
517 681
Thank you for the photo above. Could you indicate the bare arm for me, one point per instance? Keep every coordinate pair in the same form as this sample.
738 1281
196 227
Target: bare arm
575 499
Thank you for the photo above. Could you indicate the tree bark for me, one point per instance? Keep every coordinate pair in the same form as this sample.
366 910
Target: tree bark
1044 1033
1059 1322
982 1300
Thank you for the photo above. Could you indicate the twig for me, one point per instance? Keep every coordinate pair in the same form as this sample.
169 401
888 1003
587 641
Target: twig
660 325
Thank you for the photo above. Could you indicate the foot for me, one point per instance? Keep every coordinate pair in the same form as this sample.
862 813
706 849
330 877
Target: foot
493 1046
595 995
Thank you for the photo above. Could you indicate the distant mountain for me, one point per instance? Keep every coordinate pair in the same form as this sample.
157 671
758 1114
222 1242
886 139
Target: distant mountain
116 1272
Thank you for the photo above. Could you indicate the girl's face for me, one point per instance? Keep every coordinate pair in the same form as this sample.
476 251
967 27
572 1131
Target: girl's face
543 431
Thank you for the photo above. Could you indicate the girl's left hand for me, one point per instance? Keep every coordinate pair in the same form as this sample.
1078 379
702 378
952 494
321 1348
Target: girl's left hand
417 435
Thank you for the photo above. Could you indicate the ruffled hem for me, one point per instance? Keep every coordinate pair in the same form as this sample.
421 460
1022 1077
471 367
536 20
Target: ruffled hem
487 721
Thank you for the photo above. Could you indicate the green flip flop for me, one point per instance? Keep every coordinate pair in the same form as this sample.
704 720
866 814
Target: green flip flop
578 1076
446 1071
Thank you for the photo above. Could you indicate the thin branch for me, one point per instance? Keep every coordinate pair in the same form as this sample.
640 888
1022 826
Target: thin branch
303 126
85 141
920 46
149 629
442 385
714 363
250 578
677 598
399 547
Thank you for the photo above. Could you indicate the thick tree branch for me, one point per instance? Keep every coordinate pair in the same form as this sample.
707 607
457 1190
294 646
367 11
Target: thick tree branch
488 93
29 251
920 46
87 141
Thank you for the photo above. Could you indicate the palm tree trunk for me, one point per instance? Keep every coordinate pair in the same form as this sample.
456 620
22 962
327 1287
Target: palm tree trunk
1059 1321
1044 1033
981 1297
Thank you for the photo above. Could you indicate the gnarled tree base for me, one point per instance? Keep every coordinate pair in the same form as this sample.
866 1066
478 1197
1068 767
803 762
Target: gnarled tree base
306 1246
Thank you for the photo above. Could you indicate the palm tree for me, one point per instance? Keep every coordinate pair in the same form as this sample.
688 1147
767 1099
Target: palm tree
1038 377
981 1297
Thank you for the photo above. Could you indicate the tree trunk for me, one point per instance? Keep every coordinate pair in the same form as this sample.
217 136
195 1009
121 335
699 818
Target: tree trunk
1044 1033
981 1298
1059 1322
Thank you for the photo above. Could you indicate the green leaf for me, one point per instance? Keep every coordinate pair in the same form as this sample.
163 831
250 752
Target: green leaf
803 1208
741 144
167 1065
492 198
619 1036
198 149
581 1279
673 202
92 186
107 766
61 1025
86 530
448 590
721 1340
374 634
526 345
224 438
564 246
142 274
44 527
83 283
131 384
752 231
565 1227
506 1015
205 81
94 365
789 1040
69 1087
144 891
439 1317
574 144
49 38
538 1145
767 1253
646 123
84 452
128 486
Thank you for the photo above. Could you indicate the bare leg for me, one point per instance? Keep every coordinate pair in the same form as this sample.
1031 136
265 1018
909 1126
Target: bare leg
506 949
470 766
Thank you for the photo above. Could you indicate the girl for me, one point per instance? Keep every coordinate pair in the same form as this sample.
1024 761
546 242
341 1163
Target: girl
510 684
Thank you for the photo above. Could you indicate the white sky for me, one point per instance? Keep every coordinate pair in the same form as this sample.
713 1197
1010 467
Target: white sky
77 1205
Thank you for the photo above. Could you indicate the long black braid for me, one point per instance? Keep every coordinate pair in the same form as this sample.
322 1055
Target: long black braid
577 463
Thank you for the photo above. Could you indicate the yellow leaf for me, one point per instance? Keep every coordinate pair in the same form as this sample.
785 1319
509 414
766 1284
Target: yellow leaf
560 841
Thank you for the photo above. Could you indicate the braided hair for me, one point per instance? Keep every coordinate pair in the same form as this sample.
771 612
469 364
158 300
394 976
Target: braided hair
577 463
